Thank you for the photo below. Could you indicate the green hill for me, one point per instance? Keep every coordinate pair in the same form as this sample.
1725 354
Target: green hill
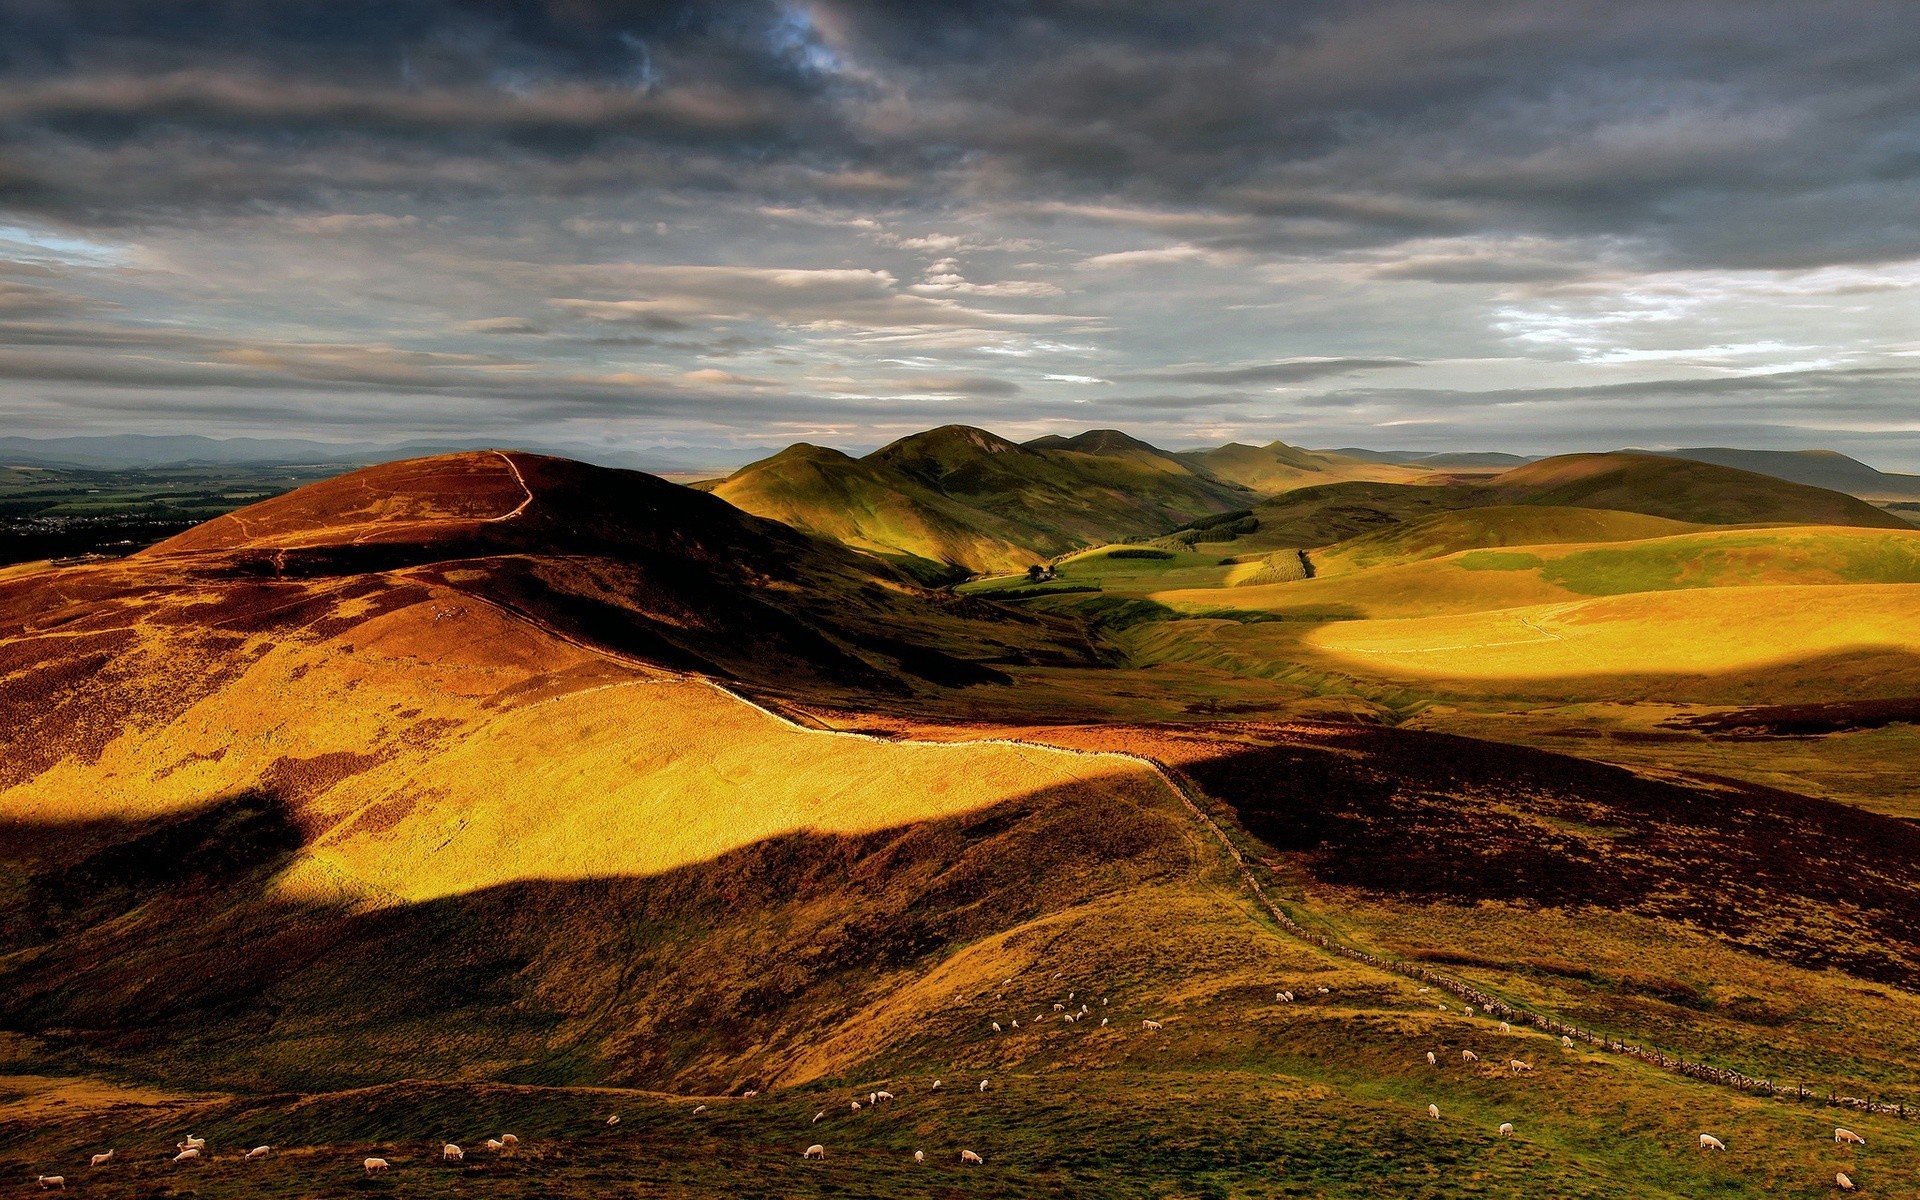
1498 525
956 500
1277 467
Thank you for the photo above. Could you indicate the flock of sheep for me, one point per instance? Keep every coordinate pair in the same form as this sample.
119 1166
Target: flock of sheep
194 1148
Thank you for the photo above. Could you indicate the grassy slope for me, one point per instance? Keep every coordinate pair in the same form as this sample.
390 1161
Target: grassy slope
969 499
1278 467
1684 490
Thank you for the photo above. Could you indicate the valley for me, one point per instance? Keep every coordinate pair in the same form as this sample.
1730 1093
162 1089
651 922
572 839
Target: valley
492 792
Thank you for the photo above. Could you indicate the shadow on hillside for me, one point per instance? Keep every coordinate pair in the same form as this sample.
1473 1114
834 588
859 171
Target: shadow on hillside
1426 816
162 947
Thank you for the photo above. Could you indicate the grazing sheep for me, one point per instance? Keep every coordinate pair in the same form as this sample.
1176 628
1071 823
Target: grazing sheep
748 1095
257 1152
698 1109
192 1143
919 1156
54 1181
856 1105
509 1139
1059 1008
983 1085
1151 1025
1431 1060
815 1151
1516 1066
1016 1024
968 1156
873 1097
1069 995
189 1152
1069 1017
994 1025
1103 1022
1505 1028
936 1085
818 1115
1506 1129
1325 991
1848 1135
614 1119
496 1145
100 1159
1566 1043
1433 1110
1469 1056
375 1164
1423 991
883 1096
1710 1142
1841 1181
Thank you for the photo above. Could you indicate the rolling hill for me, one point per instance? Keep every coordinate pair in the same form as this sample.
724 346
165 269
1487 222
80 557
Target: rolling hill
1683 490
1815 468
493 792
1277 467
956 500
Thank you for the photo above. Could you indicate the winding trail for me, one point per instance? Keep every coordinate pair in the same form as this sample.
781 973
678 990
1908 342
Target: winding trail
1492 1005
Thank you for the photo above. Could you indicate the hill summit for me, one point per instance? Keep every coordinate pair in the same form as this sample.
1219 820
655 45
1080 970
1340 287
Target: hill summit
956 499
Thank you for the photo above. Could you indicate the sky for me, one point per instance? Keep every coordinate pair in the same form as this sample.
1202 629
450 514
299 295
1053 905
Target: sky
710 230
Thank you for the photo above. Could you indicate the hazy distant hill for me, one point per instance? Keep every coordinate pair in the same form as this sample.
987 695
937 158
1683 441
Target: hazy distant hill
1447 460
1685 490
1816 468
958 499
1277 467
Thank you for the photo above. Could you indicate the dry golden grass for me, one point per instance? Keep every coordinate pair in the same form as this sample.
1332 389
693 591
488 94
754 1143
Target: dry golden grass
1704 631
443 747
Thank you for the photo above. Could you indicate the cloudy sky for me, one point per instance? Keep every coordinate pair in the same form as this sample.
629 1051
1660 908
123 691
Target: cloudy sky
1529 226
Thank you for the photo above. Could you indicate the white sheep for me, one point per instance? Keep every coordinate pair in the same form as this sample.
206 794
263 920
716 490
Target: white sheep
750 1093
509 1139
1506 1129
1469 1056
1016 1023
375 1164
1710 1142
983 1085
1324 991
818 1115
1103 1022
614 1119
257 1152
1566 1043
189 1152
1841 1181
1505 1028
1433 1110
100 1159
855 1104
879 1096
873 1097
452 1153
919 1156
496 1145
1151 1025
968 1156
1431 1060
1516 1066
54 1181
698 1109
994 1025
936 1085
815 1151
1848 1135
192 1143
1069 1018
1423 991
1059 1008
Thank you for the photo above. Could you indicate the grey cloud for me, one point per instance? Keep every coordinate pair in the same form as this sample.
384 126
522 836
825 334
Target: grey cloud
1296 371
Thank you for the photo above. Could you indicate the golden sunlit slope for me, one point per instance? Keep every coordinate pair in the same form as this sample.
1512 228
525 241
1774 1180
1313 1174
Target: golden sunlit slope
956 500
1704 631
264 776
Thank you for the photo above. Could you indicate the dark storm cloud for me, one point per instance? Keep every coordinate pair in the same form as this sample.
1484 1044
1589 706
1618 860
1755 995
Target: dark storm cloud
552 210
